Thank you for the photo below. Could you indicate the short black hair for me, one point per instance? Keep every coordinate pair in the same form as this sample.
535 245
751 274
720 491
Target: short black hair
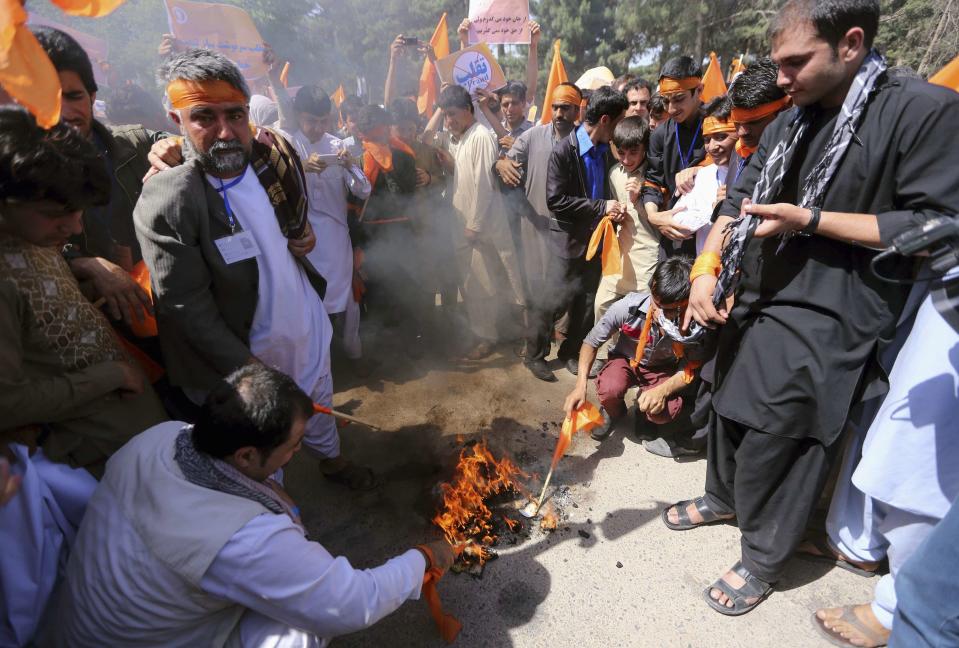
515 89
58 164
254 406
624 80
718 107
454 96
656 105
370 117
605 101
404 110
680 67
66 54
313 100
756 85
131 104
670 281
638 84
831 18
350 107
631 132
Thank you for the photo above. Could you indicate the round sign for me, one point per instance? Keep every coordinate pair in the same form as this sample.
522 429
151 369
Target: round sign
472 71
179 15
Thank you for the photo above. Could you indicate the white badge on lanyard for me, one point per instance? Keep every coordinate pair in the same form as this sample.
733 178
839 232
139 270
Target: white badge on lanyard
238 247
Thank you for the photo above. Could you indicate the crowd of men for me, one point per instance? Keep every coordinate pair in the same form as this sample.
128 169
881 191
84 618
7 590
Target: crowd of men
168 303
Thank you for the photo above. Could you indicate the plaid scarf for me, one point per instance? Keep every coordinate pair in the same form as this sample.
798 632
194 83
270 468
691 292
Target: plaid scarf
740 231
278 169
206 471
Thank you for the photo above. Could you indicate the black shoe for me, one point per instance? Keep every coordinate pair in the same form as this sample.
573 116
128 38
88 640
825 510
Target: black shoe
670 449
596 368
602 432
572 366
539 369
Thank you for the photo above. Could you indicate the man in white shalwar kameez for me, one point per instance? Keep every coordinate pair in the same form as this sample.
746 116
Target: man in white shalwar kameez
187 542
489 269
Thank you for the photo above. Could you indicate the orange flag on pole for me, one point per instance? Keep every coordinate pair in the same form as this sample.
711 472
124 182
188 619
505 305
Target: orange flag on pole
557 75
948 76
429 90
713 84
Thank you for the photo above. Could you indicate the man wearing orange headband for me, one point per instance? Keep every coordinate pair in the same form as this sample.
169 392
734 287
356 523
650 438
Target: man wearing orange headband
675 145
756 101
225 237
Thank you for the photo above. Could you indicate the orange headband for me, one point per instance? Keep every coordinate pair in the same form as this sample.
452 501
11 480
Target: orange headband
565 94
184 94
668 86
746 115
715 125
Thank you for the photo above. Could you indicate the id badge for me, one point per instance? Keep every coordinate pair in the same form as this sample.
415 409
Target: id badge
238 247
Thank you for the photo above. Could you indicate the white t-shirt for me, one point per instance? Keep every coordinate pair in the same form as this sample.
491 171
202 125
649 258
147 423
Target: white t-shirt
291 330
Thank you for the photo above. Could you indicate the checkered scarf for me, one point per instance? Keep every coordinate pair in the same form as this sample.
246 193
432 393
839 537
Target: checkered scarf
278 169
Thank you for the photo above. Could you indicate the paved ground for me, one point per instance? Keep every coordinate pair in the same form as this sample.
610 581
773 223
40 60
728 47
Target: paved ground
559 590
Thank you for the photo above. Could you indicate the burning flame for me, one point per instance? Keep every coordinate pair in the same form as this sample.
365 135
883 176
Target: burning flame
549 520
465 517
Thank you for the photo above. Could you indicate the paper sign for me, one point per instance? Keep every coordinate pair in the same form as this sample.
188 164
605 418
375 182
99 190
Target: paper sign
96 48
472 68
222 28
499 21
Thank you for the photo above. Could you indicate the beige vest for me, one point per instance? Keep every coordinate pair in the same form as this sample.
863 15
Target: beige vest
147 538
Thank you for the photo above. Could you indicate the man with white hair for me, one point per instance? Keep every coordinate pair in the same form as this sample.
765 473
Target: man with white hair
225 236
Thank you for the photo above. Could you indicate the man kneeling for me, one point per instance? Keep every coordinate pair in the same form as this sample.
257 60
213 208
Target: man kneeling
188 542
650 354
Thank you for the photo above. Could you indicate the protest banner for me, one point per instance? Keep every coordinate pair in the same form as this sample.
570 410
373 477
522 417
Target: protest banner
219 27
472 68
96 48
499 22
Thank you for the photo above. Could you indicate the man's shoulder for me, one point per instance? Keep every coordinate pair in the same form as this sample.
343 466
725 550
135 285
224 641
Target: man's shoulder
134 135
920 96
180 185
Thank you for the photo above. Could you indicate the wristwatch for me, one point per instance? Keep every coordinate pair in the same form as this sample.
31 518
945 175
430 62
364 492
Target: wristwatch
813 223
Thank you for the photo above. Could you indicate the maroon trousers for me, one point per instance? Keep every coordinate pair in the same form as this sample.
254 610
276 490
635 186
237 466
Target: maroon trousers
618 376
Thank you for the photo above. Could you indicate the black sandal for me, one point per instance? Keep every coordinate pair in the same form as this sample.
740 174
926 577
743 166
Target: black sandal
754 588
709 516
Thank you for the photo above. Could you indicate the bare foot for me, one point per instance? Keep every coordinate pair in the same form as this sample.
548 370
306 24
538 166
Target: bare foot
736 582
868 633
673 514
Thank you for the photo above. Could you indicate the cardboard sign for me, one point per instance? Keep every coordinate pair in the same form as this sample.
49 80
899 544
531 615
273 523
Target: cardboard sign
96 48
222 28
499 22
472 68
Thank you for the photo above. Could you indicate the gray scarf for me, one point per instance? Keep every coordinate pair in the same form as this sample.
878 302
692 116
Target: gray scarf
209 472
740 231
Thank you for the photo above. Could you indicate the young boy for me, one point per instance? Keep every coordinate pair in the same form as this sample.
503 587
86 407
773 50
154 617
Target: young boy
647 355
694 210
657 111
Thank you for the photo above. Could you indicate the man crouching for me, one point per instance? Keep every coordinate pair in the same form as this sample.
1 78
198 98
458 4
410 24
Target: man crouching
188 542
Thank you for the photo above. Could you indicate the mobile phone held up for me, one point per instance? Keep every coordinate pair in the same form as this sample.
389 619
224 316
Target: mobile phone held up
411 41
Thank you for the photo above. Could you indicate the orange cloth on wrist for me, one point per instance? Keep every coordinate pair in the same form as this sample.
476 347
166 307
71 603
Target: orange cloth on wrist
565 94
184 93
611 256
742 150
746 115
715 125
707 263
668 86
447 624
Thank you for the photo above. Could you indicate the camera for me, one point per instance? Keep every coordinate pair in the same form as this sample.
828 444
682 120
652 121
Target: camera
411 41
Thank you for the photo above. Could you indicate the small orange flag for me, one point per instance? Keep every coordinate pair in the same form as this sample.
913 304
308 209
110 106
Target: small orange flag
88 8
429 91
285 75
557 75
611 256
584 419
26 72
713 84
948 76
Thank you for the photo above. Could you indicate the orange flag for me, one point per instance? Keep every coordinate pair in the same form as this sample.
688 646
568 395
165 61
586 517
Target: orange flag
557 75
611 255
440 40
584 419
88 8
713 84
26 72
948 76
285 75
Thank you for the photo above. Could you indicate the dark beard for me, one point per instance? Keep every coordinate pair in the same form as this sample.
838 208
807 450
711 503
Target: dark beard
223 158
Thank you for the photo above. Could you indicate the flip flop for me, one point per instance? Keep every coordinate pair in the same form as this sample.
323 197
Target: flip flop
829 554
753 588
849 616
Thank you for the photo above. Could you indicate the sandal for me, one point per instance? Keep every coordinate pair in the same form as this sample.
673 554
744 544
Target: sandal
754 588
709 516
830 554
359 478
849 616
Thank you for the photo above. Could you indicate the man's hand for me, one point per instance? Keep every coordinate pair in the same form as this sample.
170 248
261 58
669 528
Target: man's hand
423 178
269 57
447 160
123 298
485 97
685 180
304 245
652 401
463 31
720 195
575 399
397 47
163 155
472 236
427 48
634 189
508 171
506 141
314 164
133 380
9 484
168 45
663 221
616 211
701 306
443 554
534 33
779 218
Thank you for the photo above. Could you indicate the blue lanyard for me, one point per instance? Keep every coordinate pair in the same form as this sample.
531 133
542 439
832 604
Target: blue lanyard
685 159
739 169
226 199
